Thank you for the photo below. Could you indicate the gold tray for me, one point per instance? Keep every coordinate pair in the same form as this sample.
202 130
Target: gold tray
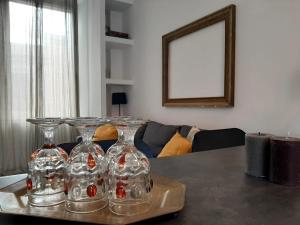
167 197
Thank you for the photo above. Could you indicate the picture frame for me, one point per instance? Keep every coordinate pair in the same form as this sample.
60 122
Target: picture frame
219 93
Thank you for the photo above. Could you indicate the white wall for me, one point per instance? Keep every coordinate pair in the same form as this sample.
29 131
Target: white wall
91 22
267 93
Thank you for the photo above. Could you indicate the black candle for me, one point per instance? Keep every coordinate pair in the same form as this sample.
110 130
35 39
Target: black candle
285 161
258 154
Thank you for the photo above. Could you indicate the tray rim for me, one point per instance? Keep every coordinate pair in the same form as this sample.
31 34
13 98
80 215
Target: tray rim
171 210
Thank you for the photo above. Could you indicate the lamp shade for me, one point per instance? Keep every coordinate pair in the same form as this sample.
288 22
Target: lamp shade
119 98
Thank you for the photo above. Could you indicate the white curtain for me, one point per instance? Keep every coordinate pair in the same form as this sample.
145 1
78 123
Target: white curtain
38 74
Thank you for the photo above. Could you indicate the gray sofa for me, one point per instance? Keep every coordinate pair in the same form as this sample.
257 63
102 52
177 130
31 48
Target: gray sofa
153 136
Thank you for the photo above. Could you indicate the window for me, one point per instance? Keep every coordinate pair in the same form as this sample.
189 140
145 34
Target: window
42 55
38 75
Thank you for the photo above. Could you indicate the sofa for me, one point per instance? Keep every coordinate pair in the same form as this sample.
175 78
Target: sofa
153 136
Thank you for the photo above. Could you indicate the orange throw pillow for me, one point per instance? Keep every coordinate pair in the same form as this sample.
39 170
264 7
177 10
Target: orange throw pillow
105 132
178 145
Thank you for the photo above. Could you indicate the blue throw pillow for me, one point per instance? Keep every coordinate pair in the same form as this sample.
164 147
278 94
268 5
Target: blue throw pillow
105 145
144 148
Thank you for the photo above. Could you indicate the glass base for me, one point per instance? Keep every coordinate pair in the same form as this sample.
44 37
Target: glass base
85 206
46 200
129 208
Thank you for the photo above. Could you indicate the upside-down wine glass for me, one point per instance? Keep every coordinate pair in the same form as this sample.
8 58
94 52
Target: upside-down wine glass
86 170
130 183
45 181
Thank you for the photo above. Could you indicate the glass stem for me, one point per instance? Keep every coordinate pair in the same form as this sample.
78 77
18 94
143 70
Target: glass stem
48 134
120 134
129 136
87 134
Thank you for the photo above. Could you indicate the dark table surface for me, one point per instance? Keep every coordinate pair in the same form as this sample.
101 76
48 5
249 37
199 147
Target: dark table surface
218 192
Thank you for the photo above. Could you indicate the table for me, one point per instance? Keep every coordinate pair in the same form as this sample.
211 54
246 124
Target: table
218 193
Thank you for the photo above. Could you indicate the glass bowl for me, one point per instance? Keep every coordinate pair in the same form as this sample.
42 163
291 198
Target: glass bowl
45 181
130 183
86 170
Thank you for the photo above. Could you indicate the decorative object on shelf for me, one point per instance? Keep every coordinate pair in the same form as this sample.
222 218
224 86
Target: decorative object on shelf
200 74
119 98
86 170
111 33
45 181
130 183
258 154
285 160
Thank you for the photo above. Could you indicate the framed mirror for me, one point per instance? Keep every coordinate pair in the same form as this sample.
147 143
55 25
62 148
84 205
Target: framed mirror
198 62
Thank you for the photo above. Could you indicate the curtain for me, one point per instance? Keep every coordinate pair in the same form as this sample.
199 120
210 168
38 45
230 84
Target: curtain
38 74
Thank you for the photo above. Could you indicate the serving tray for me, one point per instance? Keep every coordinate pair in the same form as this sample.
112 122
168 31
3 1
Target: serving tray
167 197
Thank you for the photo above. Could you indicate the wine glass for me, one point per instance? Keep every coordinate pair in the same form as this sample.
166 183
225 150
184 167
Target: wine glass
86 170
130 183
45 181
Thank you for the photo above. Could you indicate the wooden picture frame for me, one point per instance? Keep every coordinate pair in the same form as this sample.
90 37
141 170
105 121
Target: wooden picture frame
226 15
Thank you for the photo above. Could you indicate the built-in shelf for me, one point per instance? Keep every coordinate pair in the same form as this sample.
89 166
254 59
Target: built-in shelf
115 42
119 82
117 76
118 5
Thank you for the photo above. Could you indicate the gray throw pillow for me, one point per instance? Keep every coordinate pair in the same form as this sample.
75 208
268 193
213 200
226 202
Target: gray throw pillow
157 135
184 130
140 132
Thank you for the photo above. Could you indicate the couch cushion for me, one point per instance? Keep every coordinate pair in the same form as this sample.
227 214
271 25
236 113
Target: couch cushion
191 134
184 130
144 148
178 145
105 145
157 135
215 139
105 132
139 134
